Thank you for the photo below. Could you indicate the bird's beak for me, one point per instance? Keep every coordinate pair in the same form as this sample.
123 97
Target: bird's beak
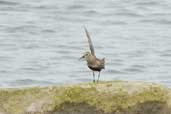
81 57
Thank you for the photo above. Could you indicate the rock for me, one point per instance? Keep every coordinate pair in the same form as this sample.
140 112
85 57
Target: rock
39 107
33 108
2 113
114 97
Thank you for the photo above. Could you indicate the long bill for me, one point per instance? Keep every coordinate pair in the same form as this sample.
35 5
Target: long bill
81 57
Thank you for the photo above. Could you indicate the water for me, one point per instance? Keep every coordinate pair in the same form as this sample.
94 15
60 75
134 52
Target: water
41 40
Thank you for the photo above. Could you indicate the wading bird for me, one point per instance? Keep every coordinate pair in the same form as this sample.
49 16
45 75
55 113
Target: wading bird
93 63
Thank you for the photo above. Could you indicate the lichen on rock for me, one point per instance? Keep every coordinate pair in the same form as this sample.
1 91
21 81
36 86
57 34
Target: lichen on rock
114 97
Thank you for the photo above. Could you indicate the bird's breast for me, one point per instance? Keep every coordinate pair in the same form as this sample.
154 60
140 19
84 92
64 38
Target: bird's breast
91 60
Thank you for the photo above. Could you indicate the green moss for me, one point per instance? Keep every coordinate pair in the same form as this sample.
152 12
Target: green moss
111 101
108 97
14 100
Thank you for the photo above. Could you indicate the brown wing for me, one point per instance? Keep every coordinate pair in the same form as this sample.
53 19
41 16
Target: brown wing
90 42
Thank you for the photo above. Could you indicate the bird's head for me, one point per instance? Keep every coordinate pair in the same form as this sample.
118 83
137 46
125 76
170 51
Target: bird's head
86 55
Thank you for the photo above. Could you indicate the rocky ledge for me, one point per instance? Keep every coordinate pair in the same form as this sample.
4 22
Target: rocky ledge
114 97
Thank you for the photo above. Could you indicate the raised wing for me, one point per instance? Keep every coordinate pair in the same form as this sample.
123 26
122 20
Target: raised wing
90 42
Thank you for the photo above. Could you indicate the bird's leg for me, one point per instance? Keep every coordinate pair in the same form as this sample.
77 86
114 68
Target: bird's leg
93 77
98 77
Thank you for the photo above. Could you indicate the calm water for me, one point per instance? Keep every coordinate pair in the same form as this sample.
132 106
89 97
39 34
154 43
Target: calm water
41 40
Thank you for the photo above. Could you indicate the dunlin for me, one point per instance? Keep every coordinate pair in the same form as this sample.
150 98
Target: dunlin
93 62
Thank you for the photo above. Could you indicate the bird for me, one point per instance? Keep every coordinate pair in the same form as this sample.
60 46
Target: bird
93 63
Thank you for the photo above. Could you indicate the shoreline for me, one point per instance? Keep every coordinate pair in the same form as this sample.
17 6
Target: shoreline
75 83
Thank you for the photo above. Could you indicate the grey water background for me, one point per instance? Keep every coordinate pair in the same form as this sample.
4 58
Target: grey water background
41 40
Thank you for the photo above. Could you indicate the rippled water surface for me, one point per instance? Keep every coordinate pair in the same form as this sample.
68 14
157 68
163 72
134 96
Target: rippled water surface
41 40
